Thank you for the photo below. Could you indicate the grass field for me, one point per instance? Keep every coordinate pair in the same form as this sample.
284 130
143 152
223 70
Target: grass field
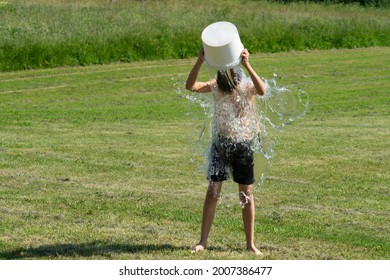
95 164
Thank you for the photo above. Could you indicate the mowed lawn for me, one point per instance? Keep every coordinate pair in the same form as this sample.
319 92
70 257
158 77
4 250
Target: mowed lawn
95 163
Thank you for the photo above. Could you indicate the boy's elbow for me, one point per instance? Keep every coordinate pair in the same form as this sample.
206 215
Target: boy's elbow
189 86
262 91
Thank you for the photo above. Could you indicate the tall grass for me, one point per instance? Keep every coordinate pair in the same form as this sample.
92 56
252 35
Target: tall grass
367 3
49 33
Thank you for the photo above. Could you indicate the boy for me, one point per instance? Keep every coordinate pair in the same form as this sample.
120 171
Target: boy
234 127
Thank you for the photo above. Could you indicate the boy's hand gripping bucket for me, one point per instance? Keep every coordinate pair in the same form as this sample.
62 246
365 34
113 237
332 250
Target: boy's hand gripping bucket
222 45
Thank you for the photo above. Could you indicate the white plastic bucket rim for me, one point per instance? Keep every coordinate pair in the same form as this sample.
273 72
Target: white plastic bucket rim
222 45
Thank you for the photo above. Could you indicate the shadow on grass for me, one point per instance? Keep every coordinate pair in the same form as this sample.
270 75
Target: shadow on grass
98 249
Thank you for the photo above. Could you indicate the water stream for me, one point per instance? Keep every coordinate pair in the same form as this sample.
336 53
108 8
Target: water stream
242 117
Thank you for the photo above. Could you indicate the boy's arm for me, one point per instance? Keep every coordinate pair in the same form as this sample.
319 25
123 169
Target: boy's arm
192 84
257 82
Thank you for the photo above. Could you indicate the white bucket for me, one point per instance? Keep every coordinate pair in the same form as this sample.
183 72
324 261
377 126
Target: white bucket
222 45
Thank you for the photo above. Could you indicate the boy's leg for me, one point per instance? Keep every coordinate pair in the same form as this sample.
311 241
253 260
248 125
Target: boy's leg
210 204
248 217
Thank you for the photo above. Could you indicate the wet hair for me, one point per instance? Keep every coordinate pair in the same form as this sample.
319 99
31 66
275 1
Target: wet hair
227 80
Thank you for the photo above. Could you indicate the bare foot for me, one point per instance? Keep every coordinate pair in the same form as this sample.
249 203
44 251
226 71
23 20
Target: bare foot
197 248
257 252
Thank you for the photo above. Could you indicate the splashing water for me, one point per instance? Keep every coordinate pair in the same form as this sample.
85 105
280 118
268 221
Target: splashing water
242 118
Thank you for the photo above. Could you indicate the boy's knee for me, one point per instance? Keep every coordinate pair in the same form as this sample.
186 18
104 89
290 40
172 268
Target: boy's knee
214 190
245 195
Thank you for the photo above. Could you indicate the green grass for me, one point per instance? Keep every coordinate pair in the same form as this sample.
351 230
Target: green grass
51 33
95 164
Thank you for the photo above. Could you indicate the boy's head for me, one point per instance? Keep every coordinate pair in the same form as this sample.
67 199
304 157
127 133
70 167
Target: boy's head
227 80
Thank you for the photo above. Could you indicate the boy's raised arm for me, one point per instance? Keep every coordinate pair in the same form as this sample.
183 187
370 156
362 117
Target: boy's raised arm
192 84
257 82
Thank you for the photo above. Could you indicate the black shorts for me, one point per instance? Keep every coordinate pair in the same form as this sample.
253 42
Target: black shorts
227 155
